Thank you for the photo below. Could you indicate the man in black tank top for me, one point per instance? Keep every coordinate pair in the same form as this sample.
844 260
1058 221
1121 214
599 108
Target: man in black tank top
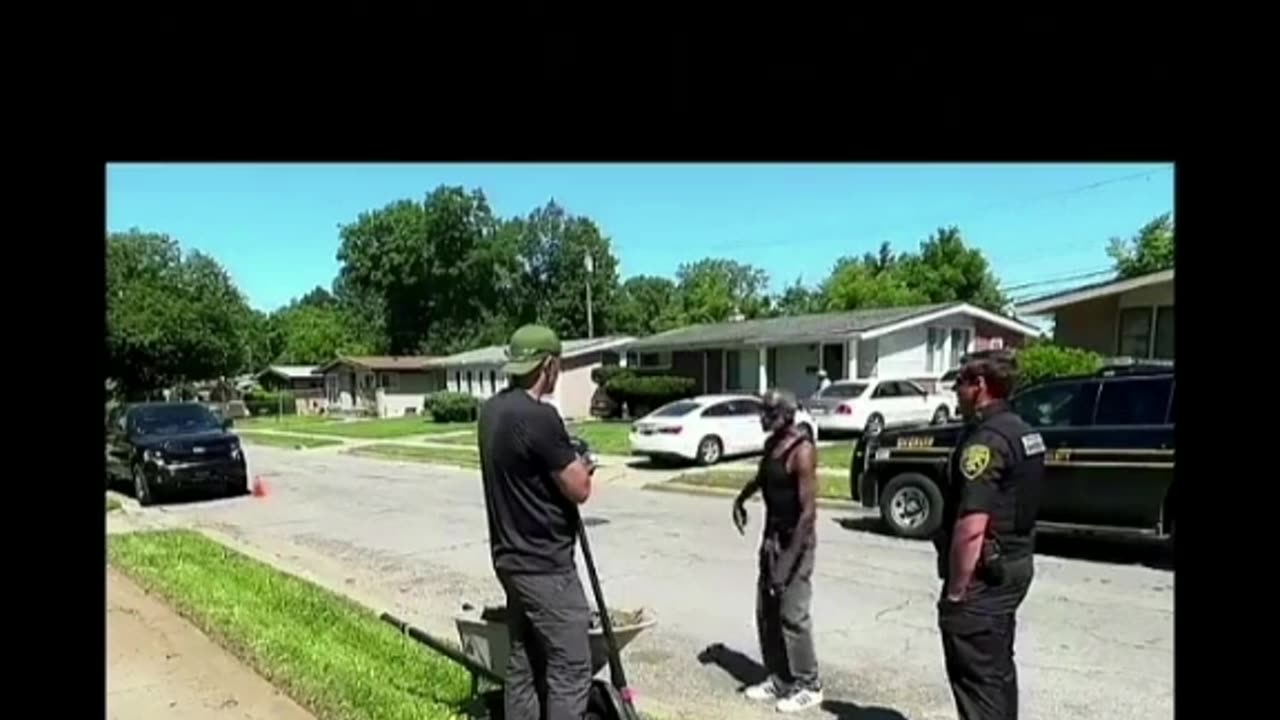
788 477
986 540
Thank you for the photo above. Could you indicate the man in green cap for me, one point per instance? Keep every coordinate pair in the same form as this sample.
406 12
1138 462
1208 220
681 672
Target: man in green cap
534 481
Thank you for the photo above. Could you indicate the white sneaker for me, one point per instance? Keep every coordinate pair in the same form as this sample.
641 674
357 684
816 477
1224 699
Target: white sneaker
801 699
767 690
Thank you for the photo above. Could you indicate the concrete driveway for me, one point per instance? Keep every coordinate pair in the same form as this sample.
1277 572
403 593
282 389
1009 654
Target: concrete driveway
1095 636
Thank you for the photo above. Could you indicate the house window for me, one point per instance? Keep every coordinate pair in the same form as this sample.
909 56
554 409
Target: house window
649 360
457 381
935 346
468 381
388 381
959 345
493 382
1164 333
1135 333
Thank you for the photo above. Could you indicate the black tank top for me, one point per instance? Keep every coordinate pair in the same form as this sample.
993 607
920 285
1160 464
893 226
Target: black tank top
781 492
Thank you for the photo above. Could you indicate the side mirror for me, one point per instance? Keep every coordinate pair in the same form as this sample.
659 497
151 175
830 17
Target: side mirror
228 423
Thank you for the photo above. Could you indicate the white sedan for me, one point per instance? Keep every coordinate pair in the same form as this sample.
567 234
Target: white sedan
870 406
706 429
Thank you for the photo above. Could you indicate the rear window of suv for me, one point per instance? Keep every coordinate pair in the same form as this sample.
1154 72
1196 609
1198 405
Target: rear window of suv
1066 404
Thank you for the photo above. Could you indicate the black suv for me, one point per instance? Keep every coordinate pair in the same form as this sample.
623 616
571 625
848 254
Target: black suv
165 446
1109 442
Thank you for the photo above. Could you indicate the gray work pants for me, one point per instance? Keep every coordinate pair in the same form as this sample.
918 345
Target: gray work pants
549 671
785 626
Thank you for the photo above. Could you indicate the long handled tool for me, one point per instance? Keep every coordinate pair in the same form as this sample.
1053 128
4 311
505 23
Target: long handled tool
616 697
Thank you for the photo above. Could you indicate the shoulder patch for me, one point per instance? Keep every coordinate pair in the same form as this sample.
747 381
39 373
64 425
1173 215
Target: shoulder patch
975 460
1032 444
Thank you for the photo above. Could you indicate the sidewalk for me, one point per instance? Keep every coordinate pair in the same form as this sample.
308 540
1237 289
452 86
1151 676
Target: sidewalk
160 666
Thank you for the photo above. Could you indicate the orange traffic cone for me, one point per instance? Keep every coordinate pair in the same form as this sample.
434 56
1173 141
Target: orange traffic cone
259 487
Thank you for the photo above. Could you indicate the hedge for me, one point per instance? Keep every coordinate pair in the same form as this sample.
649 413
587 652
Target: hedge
451 407
1044 361
642 393
270 403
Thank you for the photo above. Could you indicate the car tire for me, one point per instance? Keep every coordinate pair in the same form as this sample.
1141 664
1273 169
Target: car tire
874 426
940 416
710 450
911 506
141 488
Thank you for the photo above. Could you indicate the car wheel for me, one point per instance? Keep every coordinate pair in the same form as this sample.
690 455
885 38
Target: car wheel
941 416
141 488
911 506
710 450
875 425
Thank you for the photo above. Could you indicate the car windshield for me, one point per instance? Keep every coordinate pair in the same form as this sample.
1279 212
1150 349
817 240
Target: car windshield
173 419
675 409
843 390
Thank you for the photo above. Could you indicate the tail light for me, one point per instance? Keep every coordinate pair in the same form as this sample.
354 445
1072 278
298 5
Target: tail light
670 430
844 409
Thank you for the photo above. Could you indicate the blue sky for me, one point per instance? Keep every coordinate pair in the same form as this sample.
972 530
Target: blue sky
275 227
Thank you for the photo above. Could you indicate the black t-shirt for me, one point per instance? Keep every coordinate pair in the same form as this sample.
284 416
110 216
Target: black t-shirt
532 525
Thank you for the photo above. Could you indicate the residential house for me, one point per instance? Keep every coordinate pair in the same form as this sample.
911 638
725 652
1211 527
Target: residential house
1130 318
385 386
479 372
749 355
304 382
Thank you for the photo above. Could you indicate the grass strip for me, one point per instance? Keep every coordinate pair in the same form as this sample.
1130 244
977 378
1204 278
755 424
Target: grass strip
288 441
835 487
605 438
387 428
460 457
332 656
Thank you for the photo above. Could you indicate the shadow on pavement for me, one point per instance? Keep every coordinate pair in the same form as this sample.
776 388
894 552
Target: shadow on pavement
184 496
848 711
747 671
1117 549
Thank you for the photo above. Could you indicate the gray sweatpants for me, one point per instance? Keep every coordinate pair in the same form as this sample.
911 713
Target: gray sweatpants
549 672
785 626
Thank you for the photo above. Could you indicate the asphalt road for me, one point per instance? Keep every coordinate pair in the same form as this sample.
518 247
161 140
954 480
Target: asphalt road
1095 634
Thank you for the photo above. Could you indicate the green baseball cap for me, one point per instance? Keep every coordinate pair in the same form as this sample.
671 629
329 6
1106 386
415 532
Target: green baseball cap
529 346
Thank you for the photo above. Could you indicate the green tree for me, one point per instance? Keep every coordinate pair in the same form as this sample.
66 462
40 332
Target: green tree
947 270
170 319
798 299
432 268
645 305
855 284
1151 250
713 289
551 284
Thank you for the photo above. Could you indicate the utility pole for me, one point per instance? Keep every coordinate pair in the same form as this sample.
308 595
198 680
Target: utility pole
591 268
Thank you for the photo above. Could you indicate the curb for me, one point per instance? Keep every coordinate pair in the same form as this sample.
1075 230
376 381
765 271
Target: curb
686 489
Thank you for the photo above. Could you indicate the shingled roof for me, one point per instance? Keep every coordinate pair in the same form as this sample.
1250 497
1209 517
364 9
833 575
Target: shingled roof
497 354
812 328
383 362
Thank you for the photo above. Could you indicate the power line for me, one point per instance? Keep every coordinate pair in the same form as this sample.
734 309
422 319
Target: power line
978 211
1063 278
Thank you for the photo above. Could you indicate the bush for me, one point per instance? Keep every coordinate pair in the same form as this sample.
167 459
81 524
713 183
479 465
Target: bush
270 403
603 374
644 392
1045 361
452 407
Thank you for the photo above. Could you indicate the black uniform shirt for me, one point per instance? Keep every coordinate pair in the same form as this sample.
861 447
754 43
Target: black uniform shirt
532 525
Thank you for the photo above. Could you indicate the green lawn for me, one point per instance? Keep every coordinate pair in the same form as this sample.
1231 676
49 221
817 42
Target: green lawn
388 428
289 441
836 457
462 457
829 486
331 655
301 423
468 438
112 504
605 438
